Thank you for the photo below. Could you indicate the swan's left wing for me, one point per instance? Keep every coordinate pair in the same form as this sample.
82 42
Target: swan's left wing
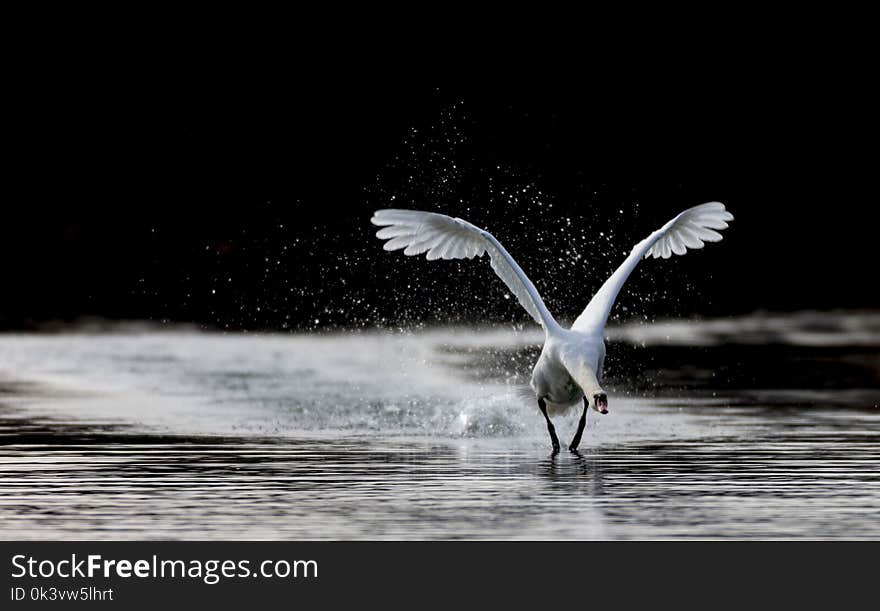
690 229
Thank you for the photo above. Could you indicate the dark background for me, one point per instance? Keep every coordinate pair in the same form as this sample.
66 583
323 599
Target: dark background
238 195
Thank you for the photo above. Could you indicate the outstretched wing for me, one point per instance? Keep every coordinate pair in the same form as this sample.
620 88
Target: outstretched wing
444 237
690 229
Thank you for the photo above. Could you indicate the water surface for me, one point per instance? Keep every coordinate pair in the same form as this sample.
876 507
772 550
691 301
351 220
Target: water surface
712 434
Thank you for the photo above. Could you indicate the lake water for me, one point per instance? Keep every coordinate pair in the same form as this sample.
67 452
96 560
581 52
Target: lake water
756 427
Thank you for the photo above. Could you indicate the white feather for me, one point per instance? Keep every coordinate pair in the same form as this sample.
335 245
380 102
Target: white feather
444 237
689 230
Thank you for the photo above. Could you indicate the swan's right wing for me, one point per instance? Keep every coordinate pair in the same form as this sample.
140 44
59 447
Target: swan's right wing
690 229
444 237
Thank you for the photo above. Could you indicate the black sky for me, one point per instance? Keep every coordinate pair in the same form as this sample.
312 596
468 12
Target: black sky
241 198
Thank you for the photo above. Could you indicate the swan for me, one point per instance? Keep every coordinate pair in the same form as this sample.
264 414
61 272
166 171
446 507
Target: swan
569 368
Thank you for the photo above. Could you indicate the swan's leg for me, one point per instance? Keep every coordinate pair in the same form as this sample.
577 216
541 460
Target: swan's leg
577 436
543 405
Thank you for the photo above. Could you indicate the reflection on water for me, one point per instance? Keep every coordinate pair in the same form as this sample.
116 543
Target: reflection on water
206 437
114 486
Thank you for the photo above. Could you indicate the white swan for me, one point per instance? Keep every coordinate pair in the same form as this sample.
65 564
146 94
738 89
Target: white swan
570 366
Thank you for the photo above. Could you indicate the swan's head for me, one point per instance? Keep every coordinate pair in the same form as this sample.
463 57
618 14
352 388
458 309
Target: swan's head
584 374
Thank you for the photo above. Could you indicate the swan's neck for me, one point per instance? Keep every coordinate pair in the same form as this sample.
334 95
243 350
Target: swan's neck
585 377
